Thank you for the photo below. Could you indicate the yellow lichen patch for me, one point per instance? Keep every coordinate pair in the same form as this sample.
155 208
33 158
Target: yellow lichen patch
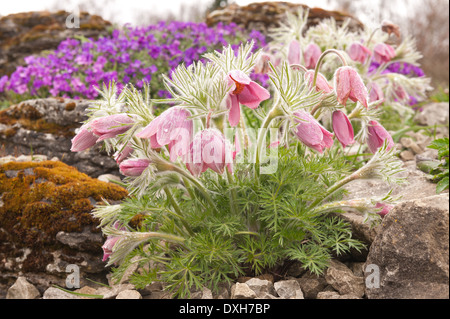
42 198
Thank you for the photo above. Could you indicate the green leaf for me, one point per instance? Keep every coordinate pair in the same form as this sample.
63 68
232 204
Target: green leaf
442 185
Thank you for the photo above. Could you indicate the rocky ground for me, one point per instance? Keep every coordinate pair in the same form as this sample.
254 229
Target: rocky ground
407 255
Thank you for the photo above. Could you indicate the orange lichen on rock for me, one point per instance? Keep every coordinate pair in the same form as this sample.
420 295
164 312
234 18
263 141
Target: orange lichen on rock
39 199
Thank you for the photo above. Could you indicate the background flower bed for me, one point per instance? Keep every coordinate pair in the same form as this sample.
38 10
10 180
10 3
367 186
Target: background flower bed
129 55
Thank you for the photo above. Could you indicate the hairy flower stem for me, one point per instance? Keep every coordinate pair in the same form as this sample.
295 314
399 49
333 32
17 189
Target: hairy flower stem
274 112
318 65
354 176
233 197
177 210
358 204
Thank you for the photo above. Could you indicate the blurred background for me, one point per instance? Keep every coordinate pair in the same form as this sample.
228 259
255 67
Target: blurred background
426 20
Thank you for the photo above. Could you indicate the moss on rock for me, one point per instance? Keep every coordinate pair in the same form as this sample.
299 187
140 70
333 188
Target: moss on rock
39 199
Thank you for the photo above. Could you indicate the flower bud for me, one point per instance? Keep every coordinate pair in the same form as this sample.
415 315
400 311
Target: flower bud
349 85
377 134
209 149
385 208
311 55
375 93
311 133
133 167
294 52
359 52
83 140
110 242
383 53
343 129
321 82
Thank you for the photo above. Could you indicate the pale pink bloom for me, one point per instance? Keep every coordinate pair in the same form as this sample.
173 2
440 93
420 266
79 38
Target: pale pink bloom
377 134
83 140
110 242
358 52
173 128
134 166
311 133
349 85
311 55
294 52
375 93
209 149
385 208
111 126
342 128
321 82
246 92
383 53
400 92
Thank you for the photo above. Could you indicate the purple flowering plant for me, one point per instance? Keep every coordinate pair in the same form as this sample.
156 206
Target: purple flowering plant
135 55
235 177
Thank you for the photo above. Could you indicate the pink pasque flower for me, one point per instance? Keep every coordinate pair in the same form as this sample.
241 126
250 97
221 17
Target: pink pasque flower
400 92
342 128
311 133
311 55
246 92
359 52
83 140
111 126
173 128
349 85
383 53
321 82
122 155
294 52
262 65
385 208
375 93
377 134
134 166
209 149
111 241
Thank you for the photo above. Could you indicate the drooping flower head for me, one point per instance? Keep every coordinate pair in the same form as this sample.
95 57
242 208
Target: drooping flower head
375 93
246 92
111 126
173 128
294 52
111 241
342 128
321 82
83 140
209 149
349 85
133 166
383 53
385 208
359 52
311 133
377 134
311 55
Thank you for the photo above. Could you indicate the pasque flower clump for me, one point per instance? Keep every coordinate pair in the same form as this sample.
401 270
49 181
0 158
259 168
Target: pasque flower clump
218 190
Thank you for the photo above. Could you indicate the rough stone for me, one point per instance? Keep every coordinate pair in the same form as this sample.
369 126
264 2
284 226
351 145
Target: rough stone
56 293
263 16
46 223
335 295
311 285
412 251
113 291
22 289
242 291
341 278
288 289
260 286
435 114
